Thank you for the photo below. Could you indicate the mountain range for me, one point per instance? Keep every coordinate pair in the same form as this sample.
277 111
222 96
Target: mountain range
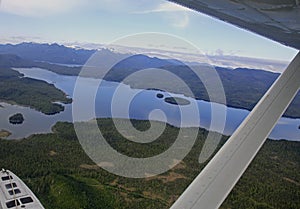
243 87
53 53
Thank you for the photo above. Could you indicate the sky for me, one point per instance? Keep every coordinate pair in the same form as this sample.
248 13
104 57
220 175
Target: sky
104 21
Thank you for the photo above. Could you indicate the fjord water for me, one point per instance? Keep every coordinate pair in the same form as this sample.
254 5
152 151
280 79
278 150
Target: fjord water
142 105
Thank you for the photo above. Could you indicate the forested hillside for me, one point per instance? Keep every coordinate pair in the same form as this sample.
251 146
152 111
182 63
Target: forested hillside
37 94
58 171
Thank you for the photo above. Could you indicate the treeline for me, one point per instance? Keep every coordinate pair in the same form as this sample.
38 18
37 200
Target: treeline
57 169
14 88
243 87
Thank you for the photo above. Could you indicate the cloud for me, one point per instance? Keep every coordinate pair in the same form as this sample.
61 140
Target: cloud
19 39
128 6
166 7
139 6
220 52
171 7
180 22
176 14
39 8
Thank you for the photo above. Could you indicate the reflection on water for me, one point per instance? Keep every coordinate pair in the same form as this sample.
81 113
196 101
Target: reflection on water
141 105
34 121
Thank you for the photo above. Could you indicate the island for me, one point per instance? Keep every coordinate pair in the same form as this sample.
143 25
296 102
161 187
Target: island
159 95
177 101
16 119
28 92
4 133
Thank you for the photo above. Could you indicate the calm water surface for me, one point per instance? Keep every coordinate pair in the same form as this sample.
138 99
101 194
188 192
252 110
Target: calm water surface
141 105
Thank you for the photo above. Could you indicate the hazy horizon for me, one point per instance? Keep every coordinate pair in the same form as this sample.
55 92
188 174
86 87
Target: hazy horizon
104 22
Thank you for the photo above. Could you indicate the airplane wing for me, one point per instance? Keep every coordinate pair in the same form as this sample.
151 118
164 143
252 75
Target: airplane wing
217 179
279 21
15 194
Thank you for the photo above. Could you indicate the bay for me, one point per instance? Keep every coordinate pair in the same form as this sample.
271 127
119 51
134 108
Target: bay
118 100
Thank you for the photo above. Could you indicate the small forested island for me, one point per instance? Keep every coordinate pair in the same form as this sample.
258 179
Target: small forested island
159 95
16 119
177 101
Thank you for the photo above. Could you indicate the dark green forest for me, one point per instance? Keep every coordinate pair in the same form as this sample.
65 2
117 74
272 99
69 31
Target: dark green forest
16 118
59 172
243 87
34 93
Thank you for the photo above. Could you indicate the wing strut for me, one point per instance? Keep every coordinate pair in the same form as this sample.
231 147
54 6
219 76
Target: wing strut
214 183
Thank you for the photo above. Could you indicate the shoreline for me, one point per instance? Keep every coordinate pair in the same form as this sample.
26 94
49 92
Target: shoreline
153 89
4 133
52 131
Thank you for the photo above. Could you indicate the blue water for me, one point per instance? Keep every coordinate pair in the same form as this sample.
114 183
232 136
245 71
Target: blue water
119 100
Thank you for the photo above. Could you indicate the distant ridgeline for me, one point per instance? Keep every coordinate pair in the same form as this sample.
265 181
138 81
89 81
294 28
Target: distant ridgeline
26 91
243 87
52 53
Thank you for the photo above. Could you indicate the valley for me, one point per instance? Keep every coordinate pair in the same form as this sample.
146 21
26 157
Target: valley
50 158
